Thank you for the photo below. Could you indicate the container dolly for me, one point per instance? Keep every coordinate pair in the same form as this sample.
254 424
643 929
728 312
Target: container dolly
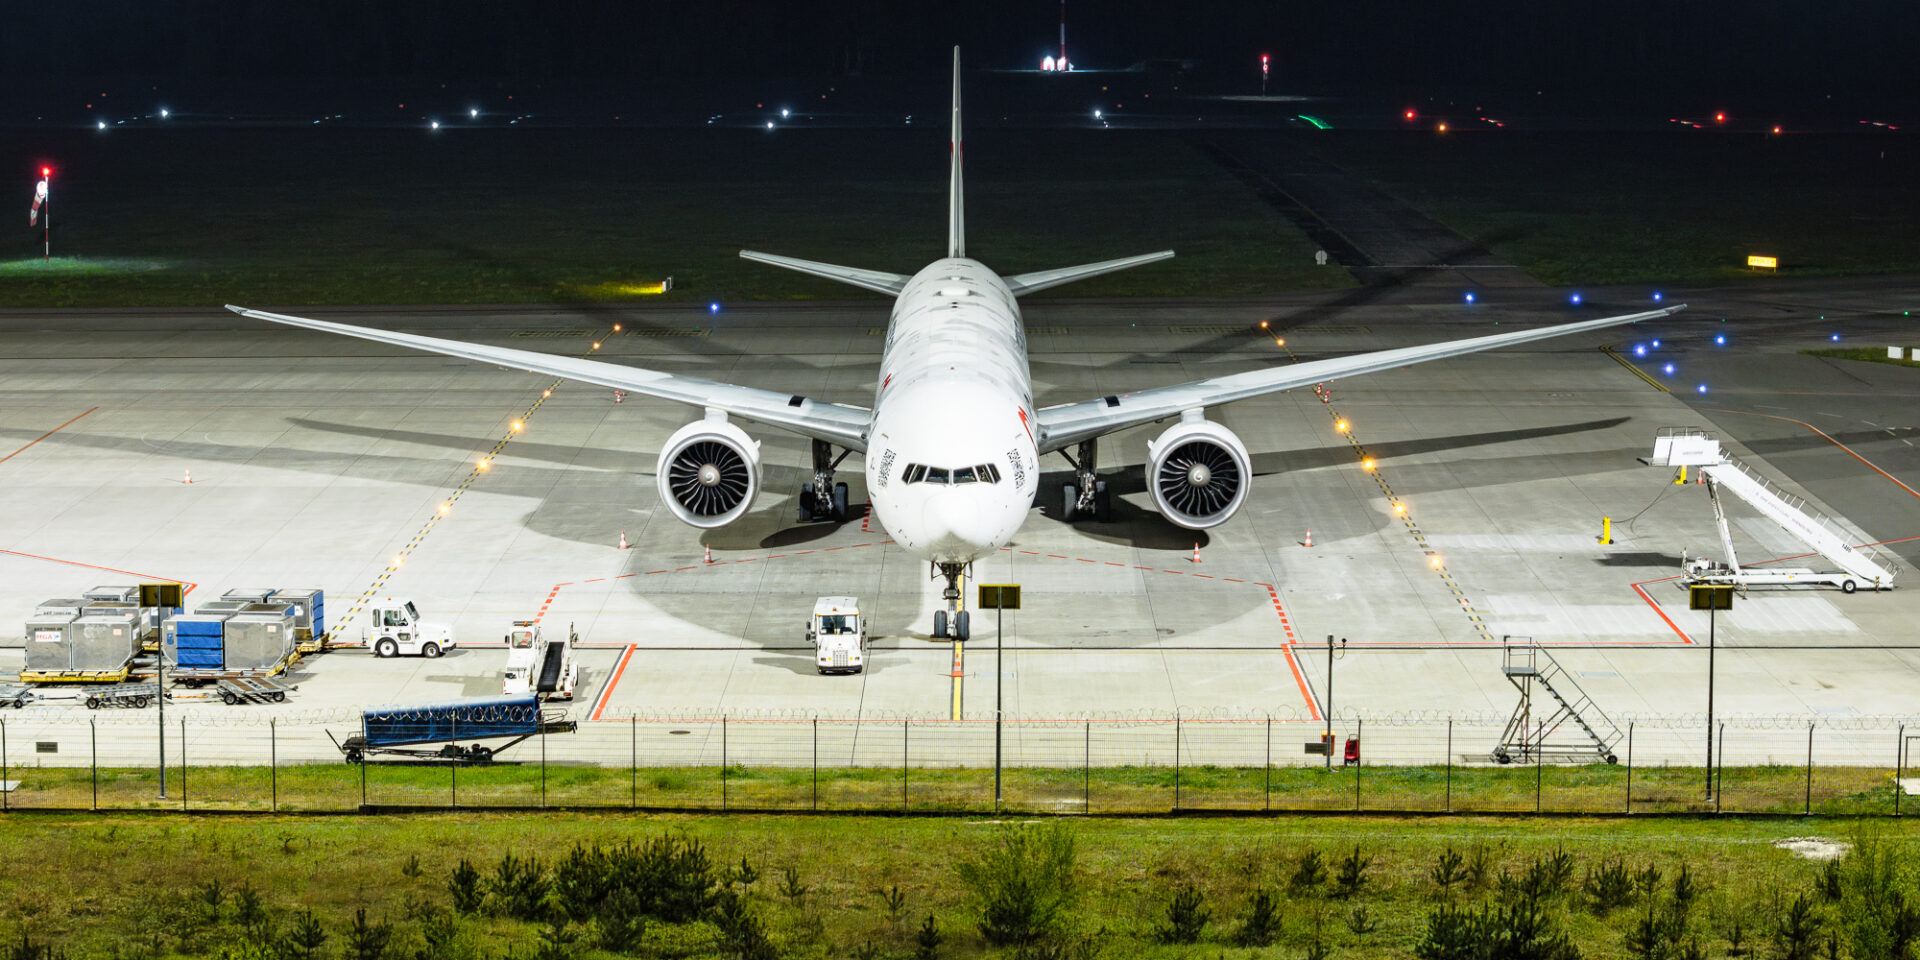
16 695
238 690
136 695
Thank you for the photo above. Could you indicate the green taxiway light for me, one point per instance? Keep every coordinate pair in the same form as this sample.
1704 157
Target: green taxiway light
1318 124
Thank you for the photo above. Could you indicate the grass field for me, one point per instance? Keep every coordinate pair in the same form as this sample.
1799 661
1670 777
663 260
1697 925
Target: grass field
1671 206
296 216
1870 354
138 887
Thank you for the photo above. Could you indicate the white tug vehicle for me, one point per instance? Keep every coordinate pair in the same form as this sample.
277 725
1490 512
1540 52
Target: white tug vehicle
543 667
394 628
838 636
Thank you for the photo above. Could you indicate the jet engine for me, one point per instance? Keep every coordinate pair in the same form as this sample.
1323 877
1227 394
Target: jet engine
709 472
1198 472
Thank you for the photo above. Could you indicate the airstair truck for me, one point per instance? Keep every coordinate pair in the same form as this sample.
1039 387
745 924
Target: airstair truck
544 667
838 636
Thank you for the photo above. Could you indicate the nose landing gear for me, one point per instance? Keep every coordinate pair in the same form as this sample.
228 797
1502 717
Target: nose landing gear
958 618
822 499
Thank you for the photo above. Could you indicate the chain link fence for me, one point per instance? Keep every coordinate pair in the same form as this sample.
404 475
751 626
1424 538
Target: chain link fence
70 760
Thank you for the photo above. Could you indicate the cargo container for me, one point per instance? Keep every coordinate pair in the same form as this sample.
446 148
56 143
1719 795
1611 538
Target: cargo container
221 606
60 606
116 594
194 641
257 642
47 638
309 615
98 647
248 594
409 730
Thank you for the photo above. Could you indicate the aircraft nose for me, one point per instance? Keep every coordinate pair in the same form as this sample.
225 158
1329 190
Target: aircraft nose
954 524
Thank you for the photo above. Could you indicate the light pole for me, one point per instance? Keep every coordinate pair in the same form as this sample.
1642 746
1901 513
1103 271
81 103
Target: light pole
998 597
1328 740
1711 598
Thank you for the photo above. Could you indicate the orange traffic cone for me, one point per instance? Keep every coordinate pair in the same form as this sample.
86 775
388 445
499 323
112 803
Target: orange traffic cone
709 553
1196 553
189 476
1308 542
619 396
623 539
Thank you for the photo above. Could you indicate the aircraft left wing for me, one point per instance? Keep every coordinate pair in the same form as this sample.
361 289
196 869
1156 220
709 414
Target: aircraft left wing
836 423
1067 424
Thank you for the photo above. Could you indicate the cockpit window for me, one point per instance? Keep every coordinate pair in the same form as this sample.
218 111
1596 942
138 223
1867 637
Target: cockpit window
963 475
914 473
936 475
988 473
980 473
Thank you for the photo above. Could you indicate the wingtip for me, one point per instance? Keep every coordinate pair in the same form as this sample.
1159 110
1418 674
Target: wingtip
236 309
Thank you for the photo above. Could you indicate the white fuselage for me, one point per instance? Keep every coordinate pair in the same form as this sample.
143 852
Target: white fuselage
952 463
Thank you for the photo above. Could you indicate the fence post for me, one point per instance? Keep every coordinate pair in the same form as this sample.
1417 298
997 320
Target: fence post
363 775
633 762
273 763
1808 810
1720 766
1629 802
1449 808
723 763
1176 761
6 796
1359 727
1539 762
1899 760
94 727
453 769
1086 771
816 763
183 764
1266 767
543 757
904 746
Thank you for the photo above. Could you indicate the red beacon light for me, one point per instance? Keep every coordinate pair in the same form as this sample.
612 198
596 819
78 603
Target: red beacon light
46 171
1409 114
1720 118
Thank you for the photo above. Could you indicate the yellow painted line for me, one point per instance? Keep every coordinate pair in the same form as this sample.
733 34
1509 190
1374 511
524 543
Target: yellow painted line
1657 385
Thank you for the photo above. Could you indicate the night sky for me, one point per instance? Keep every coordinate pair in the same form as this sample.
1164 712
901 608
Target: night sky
224 55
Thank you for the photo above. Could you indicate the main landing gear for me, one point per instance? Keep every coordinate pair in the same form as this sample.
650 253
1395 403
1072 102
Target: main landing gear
1086 497
951 596
822 499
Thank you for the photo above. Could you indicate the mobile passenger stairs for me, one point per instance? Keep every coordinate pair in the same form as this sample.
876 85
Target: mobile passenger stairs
1550 702
1860 566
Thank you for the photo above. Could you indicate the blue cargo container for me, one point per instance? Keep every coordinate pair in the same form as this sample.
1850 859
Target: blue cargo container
395 729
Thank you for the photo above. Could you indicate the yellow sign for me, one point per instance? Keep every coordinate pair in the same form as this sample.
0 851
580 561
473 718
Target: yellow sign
1002 596
1770 263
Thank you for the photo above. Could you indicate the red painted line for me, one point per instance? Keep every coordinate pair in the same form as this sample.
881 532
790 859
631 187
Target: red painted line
1823 435
686 568
623 576
1300 680
801 553
49 433
188 584
1232 580
1111 563
607 693
1056 556
1031 553
594 580
652 572
1083 560
1204 576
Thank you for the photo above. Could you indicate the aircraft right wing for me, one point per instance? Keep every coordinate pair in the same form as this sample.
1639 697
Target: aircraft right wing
836 423
1067 424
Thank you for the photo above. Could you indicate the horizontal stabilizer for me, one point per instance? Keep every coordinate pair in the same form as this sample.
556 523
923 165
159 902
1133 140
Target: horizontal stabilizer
879 281
1042 279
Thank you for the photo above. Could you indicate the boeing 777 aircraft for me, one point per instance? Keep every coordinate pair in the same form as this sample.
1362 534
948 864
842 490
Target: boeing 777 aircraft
953 440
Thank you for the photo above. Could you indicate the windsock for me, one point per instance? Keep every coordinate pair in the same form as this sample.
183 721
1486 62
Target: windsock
39 200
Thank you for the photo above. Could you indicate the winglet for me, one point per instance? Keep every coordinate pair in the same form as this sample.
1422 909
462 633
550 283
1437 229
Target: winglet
956 216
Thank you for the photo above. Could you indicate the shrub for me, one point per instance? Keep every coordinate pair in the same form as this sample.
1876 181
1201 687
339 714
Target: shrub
1025 884
926 943
1309 872
367 940
1448 869
742 937
303 939
1187 917
1352 875
791 887
1796 930
1261 926
518 888
463 885
1608 887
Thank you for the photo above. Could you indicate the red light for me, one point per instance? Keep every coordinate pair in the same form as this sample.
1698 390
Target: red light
1719 118
1263 58
1776 131
46 171
1409 114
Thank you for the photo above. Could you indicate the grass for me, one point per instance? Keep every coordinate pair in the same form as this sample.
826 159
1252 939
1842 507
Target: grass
112 885
201 217
1593 789
1871 354
1668 206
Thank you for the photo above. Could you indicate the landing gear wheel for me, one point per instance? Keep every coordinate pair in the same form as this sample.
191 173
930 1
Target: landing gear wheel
1102 504
386 648
431 650
1848 586
940 624
839 503
1069 503
480 754
806 503
961 627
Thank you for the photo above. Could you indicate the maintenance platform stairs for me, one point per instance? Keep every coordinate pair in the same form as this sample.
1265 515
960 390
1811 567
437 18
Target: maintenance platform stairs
1555 719
1860 566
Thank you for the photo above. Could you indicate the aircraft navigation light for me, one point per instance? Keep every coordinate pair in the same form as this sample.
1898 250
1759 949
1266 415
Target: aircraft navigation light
1469 296
163 113
1668 369
46 171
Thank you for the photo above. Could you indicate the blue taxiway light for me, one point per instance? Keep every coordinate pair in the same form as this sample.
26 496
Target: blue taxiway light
1835 338
1668 369
1656 296
1702 388
713 307
1656 344
1721 339
1576 299
1639 351
1469 298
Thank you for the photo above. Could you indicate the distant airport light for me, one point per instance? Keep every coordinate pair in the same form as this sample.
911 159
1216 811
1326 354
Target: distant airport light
616 328
445 507
1279 341
546 393
1367 464
1340 425
1046 62
1835 338
769 124
1469 296
713 307
783 113
1668 369
1434 560
1721 339
1409 114
1776 131
1399 508
433 125
1096 113
102 125
1656 344
1720 118
1263 324
1656 296
517 426
596 344
473 111
1576 299
482 465
1639 351
164 114
1701 388
1443 128
46 171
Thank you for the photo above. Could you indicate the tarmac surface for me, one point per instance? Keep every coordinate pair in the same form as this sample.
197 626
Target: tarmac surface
320 461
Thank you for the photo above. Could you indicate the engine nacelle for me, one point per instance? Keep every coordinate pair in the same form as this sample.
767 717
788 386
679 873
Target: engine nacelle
709 473
1198 472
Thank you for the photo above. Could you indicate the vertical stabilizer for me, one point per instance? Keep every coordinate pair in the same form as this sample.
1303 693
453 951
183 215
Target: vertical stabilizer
956 216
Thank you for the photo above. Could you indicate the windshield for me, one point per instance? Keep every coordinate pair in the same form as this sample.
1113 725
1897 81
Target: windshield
412 614
838 624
